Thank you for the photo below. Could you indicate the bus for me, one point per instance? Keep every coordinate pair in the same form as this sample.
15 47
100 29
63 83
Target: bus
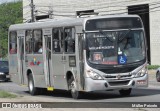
100 53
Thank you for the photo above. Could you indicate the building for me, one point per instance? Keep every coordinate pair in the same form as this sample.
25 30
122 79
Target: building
148 10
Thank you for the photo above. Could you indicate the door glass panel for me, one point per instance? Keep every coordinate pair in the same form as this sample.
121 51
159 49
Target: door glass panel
29 41
58 40
37 41
13 43
69 38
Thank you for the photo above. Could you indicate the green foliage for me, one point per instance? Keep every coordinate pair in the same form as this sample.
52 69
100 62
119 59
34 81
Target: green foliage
153 66
4 94
10 13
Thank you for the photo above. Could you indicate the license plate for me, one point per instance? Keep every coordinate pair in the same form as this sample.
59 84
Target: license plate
7 76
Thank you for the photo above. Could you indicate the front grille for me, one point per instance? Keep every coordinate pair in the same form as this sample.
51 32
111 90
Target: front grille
119 83
117 70
114 77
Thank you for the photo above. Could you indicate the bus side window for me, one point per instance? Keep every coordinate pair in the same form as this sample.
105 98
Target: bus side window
57 34
13 43
69 40
37 41
28 45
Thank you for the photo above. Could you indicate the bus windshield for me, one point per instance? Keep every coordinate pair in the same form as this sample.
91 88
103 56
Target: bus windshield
106 47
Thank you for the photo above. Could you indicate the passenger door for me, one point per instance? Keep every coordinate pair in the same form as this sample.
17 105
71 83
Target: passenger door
47 50
58 59
21 55
69 52
70 56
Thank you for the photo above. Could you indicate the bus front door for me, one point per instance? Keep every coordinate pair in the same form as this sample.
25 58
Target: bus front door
21 56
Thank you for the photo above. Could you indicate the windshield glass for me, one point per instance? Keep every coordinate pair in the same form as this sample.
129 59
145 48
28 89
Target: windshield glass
115 47
3 64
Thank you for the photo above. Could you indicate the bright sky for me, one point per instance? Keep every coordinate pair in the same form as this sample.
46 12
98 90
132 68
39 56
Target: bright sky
4 1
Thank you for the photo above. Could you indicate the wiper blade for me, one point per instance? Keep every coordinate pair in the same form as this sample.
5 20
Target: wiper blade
100 31
121 38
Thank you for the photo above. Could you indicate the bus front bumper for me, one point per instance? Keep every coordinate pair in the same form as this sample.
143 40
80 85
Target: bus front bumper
115 84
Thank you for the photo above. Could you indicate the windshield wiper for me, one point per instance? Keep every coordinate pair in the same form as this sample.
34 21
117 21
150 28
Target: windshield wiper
100 31
121 38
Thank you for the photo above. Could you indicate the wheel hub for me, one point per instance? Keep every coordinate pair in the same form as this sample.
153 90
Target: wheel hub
73 87
30 85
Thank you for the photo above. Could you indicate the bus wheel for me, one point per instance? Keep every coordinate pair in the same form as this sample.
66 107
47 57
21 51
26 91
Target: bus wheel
31 87
73 88
125 92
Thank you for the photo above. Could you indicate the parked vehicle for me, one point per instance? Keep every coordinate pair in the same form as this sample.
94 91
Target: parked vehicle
4 71
158 74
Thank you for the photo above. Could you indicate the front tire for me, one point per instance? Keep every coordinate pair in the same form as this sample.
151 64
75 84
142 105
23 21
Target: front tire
125 92
32 89
73 88
158 76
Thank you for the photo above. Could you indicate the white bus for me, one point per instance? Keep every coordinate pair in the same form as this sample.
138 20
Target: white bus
79 54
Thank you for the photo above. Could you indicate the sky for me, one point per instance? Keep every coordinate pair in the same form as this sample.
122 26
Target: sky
4 1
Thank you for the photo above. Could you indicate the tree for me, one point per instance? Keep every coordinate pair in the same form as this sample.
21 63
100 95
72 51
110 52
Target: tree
10 13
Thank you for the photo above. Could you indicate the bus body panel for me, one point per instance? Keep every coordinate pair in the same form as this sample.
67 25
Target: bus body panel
13 68
58 72
35 63
39 79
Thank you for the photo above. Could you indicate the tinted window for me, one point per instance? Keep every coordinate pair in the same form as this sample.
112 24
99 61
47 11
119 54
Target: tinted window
69 39
29 38
37 41
57 40
13 43
3 64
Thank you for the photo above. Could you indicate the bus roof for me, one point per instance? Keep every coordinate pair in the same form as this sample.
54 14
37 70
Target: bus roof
60 22
47 24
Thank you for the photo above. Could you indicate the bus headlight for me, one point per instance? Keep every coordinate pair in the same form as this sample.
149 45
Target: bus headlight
93 75
142 72
1 73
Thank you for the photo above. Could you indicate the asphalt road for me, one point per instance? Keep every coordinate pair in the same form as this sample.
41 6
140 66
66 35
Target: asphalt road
138 95
150 94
